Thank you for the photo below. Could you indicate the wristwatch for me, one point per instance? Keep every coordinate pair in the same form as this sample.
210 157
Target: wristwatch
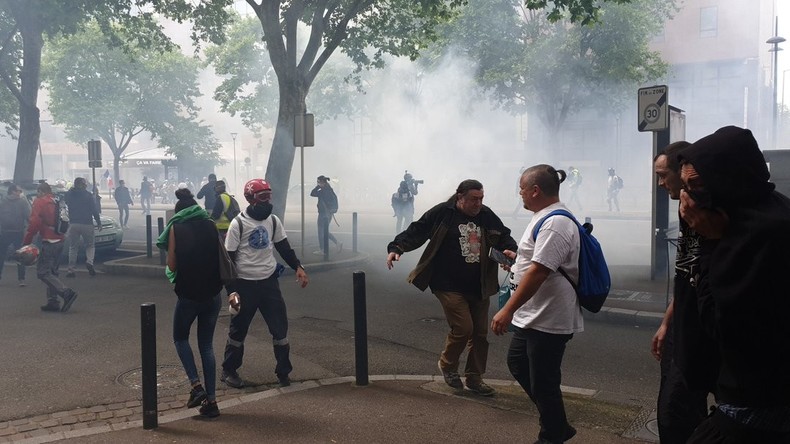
302 267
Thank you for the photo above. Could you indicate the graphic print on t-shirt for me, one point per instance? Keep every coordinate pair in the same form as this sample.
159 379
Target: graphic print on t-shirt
259 238
470 242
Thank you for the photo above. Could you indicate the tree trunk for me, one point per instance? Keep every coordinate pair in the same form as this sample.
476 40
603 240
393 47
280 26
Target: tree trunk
30 82
281 158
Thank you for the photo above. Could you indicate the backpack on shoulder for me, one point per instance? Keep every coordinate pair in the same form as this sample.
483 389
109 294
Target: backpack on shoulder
594 279
233 209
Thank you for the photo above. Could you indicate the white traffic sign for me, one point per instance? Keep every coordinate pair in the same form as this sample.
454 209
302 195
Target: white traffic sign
653 108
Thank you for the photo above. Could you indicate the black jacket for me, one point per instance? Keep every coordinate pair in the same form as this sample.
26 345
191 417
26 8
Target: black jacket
208 193
433 226
82 206
743 297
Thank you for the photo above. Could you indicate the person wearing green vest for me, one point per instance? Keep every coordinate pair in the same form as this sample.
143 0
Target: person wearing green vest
225 208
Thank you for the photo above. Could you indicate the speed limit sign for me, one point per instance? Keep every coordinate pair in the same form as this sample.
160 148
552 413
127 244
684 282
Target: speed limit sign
653 108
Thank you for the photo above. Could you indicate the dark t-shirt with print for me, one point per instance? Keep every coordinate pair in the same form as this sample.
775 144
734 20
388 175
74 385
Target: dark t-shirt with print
456 266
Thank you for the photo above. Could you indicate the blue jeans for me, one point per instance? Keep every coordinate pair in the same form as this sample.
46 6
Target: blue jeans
534 359
263 296
206 314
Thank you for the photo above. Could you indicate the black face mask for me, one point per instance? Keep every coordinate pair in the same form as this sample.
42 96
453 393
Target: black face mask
260 210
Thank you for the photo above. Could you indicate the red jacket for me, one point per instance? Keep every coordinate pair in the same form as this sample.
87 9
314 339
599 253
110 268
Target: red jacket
42 220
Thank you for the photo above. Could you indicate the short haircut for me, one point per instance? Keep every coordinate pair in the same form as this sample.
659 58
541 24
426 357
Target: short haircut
212 177
546 177
672 151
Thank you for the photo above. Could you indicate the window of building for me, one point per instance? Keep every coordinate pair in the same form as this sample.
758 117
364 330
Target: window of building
708 21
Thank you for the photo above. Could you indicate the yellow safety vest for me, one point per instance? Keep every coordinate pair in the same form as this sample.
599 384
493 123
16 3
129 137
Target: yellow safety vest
223 223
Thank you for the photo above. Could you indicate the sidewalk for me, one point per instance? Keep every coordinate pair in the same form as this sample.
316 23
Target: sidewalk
390 409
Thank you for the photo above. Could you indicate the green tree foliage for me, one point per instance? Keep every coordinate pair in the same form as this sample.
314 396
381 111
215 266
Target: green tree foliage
26 23
551 67
249 88
114 93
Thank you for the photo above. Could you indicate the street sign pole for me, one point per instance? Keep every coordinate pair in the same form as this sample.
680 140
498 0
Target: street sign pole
304 135
94 161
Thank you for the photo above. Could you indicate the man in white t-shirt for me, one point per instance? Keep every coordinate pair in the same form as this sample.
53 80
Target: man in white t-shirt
251 239
543 306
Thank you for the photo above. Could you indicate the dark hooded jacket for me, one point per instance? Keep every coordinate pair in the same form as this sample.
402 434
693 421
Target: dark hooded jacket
433 227
743 296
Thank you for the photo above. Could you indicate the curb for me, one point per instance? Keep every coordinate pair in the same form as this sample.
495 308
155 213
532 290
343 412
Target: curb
626 317
121 266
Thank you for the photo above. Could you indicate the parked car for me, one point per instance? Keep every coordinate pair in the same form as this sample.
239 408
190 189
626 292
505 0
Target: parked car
109 238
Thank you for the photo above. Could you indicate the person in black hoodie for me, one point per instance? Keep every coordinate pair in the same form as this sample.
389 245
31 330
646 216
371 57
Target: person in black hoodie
741 297
193 257
208 192
82 209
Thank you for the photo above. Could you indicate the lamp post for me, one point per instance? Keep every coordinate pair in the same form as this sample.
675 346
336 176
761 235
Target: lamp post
235 184
775 41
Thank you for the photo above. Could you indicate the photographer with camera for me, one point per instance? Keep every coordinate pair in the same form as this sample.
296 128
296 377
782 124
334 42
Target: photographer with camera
411 183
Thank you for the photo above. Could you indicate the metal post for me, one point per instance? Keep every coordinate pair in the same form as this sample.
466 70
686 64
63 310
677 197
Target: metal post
775 41
148 241
160 222
360 329
235 183
301 186
148 353
660 222
354 228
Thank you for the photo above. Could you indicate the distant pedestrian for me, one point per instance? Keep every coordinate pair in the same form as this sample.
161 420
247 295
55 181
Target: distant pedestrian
543 307
42 223
191 240
225 208
403 206
251 240
82 212
327 207
146 194
613 186
123 198
208 192
455 265
14 214
574 182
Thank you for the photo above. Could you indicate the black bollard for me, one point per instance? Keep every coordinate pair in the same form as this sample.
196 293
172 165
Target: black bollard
160 223
360 329
148 346
148 241
354 230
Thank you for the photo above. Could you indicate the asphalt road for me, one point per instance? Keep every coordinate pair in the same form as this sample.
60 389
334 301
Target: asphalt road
90 355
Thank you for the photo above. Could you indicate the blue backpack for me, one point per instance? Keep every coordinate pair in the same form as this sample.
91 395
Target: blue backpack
594 280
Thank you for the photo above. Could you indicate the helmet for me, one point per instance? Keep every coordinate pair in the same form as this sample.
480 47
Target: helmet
27 255
407 176
257 191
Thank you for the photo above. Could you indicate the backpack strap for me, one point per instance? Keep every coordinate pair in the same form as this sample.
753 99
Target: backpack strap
540 224
241 225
